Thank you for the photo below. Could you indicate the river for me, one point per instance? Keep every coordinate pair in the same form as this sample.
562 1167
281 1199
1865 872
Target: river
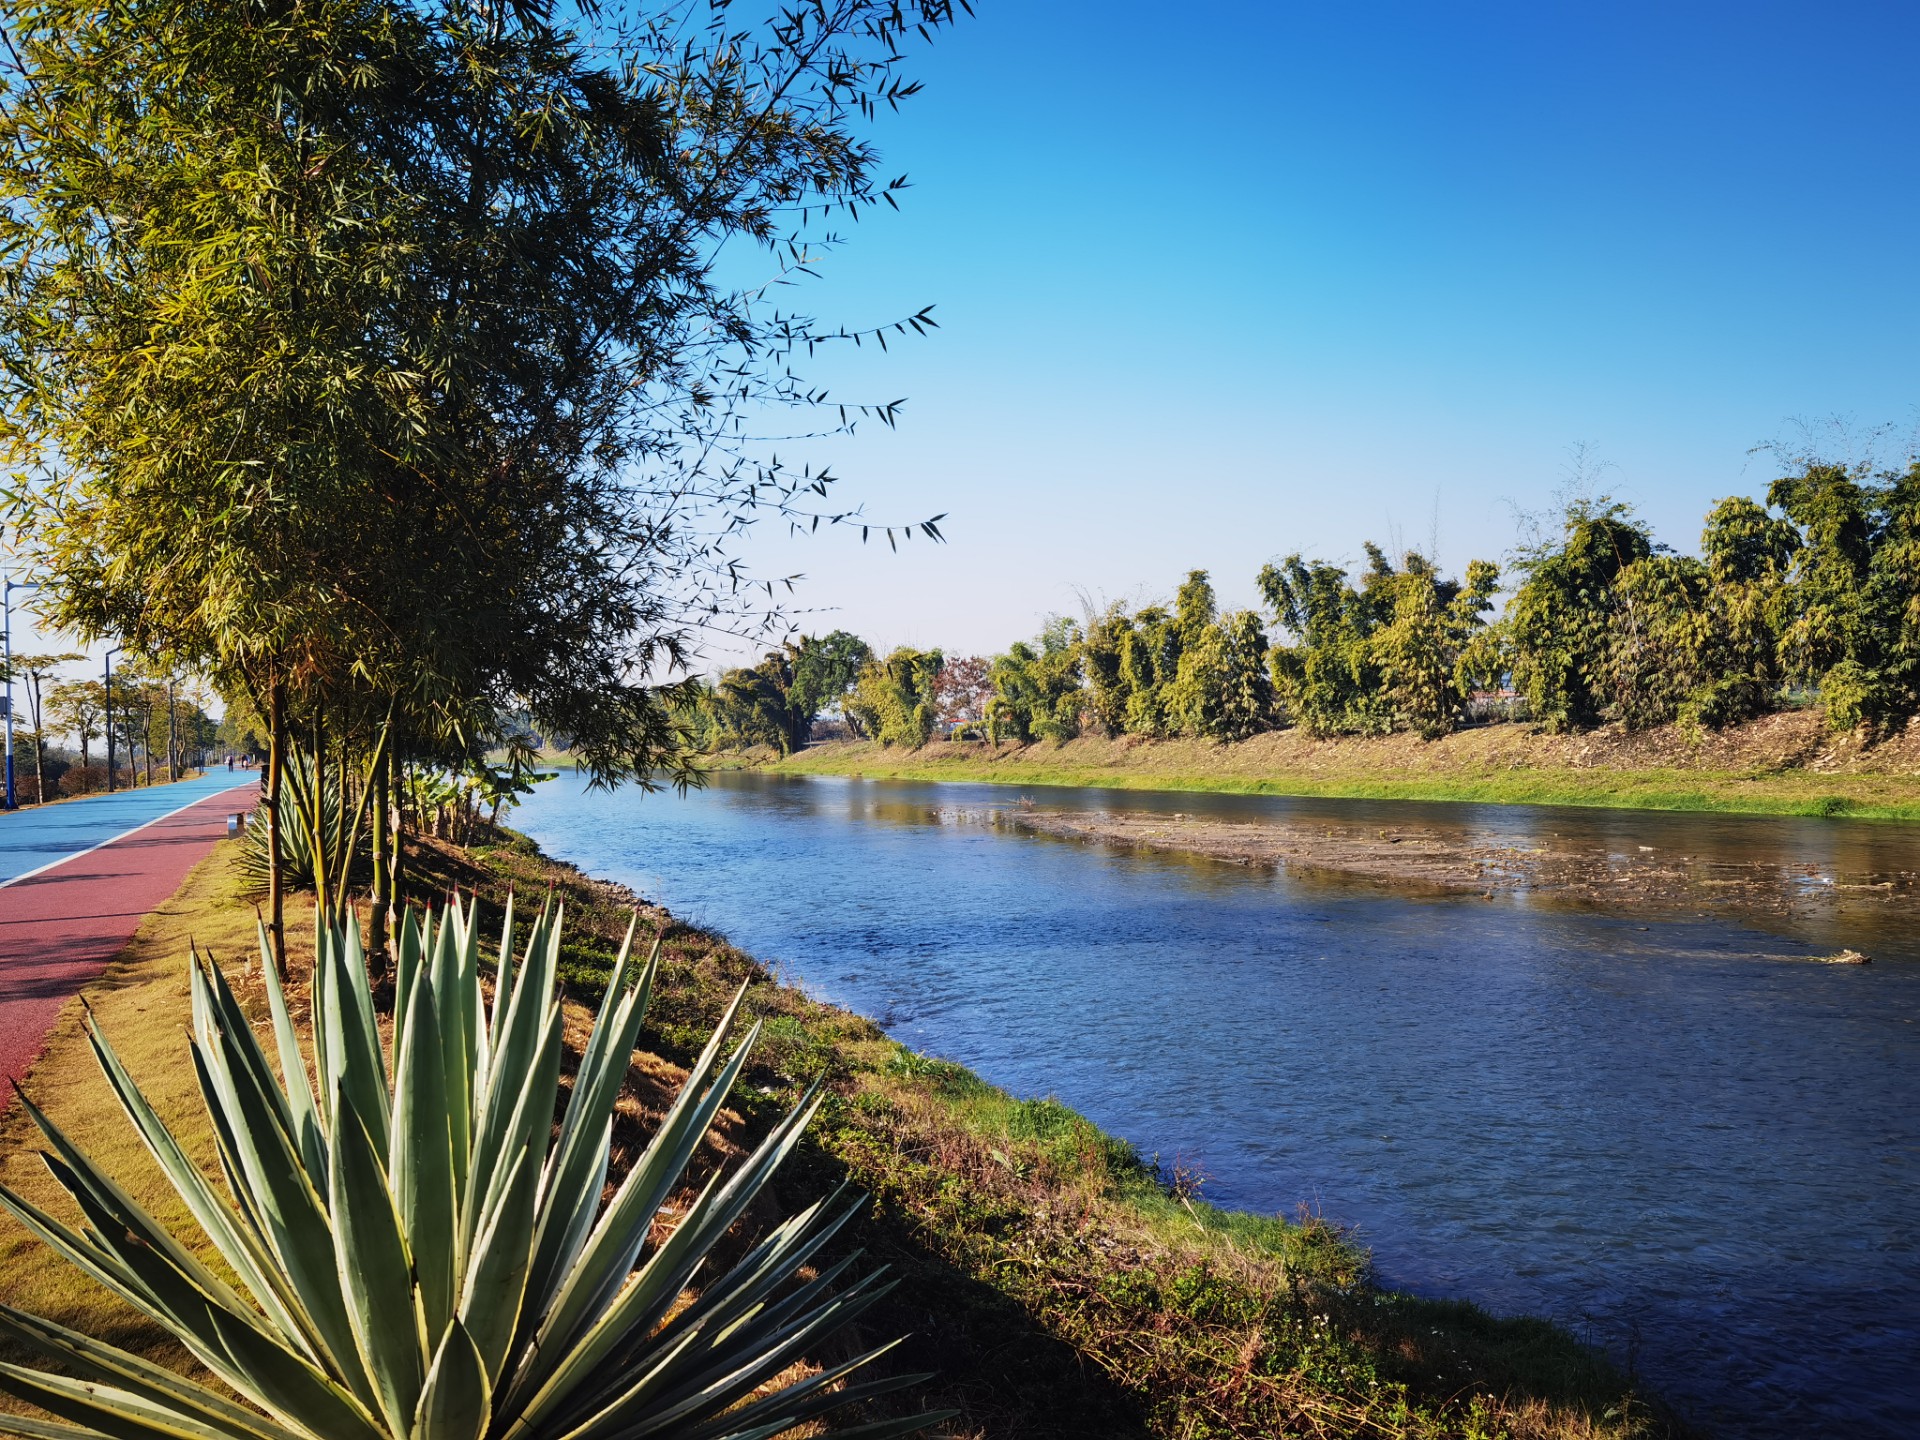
1676 1136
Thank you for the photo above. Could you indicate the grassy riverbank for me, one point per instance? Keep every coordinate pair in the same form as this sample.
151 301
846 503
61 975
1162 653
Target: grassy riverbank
1781 765
1057 1284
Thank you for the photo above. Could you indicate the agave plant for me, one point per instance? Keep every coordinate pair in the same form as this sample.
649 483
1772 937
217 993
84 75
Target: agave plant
415 1251
340 831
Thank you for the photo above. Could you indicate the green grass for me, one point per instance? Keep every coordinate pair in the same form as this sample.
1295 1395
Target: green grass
1791 792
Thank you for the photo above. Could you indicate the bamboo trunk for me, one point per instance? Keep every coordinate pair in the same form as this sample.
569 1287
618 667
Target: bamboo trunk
276 860
396 886
318 822
382 879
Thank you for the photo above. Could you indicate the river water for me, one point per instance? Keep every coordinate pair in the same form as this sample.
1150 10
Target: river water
1674 1135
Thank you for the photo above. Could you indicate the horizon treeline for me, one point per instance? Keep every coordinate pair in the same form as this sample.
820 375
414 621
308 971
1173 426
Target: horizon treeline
1811 597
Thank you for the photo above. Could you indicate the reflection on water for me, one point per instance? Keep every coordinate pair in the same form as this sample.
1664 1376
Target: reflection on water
1677 1137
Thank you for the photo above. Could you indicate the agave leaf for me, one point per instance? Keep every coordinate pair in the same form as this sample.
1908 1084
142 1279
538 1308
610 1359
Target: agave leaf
451 1002
457 1402
644 1301
296 1226
351 1060
408 946
617 1239
497 1268
526 1126
123 1414
521 1036
473 1020
673 1363
226 1144
604 1414
502 977
793 1404
285 1384
577 1169
376 1269
244 1357
83 1253
745 1301
32 1427
125 1216
218 1013
729 1302
155 1283
369 1073
642 1304
322 1019
783 1332
497 1274
293 1072
744 1369
227 1011
90 1359
420 1164
239 1244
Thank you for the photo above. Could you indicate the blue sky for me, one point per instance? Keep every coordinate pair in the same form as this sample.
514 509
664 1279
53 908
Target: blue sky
1223 281
1229 281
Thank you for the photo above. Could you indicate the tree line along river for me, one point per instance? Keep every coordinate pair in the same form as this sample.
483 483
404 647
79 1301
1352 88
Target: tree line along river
1674 1134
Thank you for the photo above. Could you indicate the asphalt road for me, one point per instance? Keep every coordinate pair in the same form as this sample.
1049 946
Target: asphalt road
34 838
77 879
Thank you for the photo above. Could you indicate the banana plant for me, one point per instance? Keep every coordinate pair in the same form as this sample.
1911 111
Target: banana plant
414 1250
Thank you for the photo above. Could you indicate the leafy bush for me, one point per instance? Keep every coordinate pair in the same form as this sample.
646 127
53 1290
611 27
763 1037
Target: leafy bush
1853 696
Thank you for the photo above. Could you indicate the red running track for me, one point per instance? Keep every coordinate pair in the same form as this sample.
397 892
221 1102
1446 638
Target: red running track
60 927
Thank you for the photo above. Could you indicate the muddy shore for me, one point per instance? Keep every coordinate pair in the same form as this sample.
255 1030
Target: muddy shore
1453 860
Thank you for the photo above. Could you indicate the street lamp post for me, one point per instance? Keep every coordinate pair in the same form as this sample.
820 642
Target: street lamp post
106 684
7 587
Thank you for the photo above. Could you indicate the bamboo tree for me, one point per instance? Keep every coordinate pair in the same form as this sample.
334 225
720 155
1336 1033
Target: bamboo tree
276 791
390 381
379 791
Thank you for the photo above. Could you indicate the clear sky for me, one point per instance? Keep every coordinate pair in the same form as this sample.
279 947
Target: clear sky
1222 281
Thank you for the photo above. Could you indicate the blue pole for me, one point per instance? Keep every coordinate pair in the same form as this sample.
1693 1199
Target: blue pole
7 587
6 659
106 684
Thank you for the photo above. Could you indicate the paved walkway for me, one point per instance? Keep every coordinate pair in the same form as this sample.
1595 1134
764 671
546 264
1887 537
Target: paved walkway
77 879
